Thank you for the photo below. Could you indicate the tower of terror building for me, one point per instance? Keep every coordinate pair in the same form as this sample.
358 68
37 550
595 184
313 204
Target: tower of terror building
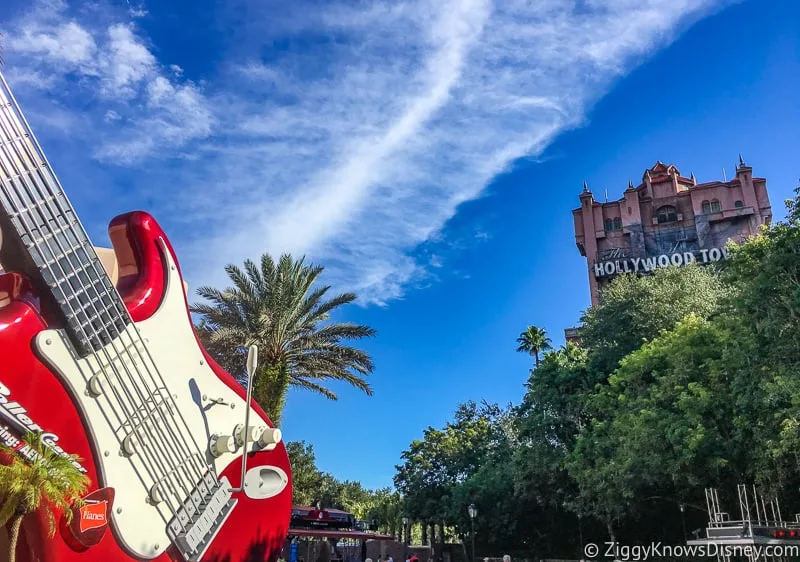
668 219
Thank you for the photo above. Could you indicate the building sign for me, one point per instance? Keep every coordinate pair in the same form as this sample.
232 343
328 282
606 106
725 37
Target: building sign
646 265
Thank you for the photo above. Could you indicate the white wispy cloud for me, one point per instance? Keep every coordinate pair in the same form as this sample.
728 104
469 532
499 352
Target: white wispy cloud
360 146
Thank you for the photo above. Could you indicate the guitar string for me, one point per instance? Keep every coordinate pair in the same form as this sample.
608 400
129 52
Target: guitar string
132 417
151 470
79 233
94 265
177 471
30 233
167 482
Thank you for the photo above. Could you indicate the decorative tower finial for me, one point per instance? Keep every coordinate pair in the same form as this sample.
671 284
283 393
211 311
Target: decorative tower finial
585 187
630 184
694 179
741 160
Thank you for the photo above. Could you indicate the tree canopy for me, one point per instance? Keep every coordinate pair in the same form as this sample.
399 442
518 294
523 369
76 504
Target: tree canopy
312 487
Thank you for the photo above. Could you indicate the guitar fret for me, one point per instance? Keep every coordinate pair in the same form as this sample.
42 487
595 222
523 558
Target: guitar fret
49 243
88 297
10 140
48 228
42 205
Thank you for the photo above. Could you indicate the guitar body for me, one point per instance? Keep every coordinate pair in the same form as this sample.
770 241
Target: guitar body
41 386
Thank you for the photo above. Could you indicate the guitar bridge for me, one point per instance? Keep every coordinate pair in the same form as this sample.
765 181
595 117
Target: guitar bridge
200 517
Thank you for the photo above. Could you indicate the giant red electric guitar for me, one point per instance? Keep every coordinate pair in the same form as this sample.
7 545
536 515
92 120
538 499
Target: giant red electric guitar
117 376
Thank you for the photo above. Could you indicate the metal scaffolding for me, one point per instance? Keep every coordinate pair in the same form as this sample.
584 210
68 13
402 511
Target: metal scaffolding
758 534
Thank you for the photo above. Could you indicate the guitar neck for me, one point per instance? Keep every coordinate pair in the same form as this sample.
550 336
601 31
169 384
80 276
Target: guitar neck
51 238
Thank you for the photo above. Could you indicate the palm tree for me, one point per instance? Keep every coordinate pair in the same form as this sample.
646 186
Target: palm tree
533 340
50 482
277 308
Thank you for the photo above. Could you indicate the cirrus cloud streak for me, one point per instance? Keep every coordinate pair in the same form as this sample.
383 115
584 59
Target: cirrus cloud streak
354 144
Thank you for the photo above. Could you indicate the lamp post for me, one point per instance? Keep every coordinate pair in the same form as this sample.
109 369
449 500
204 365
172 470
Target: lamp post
405 538
683 523
473 513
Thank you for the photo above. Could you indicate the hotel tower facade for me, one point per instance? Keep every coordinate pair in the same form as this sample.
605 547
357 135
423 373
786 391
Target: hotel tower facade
668 219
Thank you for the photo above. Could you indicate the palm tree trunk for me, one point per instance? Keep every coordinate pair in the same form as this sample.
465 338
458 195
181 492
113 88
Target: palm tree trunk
537 359
16 524
424 533
270 389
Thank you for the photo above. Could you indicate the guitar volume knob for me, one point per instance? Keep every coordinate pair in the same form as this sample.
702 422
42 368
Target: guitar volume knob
221 444
252 433
270 437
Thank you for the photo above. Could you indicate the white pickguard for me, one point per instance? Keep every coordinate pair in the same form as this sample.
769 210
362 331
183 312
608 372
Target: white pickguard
139 525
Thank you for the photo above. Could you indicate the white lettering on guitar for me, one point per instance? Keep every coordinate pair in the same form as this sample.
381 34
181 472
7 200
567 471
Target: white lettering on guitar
15 413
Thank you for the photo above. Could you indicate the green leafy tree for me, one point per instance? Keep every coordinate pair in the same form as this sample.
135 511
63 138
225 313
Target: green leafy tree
764 323
662 427
565 435
312 487
635 309
50 482
278 308
387 509
306 477
552 412
533 341
439 472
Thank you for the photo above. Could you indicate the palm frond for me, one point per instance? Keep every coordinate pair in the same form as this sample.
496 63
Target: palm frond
319 389
279 307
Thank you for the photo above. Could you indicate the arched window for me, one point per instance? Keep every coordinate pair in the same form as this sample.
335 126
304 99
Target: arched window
715 208
609 225
617 223
738 204
667 213
706 207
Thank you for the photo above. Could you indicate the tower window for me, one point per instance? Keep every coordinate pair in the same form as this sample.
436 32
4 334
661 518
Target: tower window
738 204
609 225
667 213
706 207
617 223
715 207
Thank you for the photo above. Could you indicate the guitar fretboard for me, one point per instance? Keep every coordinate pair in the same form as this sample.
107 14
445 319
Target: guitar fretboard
45 224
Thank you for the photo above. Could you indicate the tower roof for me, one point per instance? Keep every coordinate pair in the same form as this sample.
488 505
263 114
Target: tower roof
661 169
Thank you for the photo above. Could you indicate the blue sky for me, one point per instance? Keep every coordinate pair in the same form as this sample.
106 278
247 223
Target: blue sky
427 152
